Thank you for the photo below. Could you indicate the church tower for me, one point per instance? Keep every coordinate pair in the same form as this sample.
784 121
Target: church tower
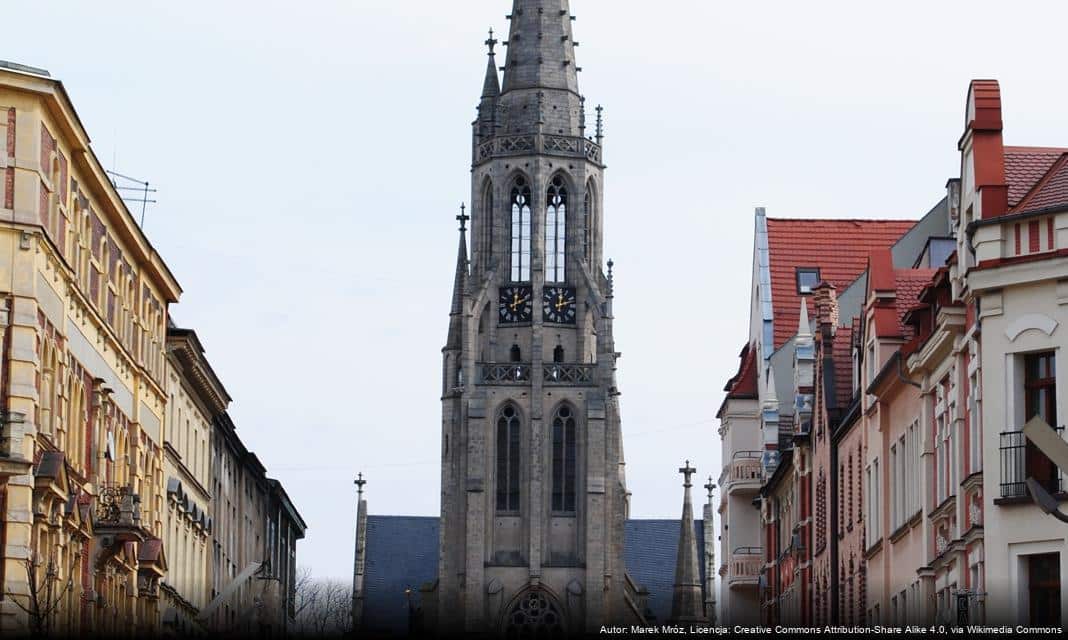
533 498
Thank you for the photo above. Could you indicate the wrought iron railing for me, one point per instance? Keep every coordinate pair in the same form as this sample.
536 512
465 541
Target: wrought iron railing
118 506
1021 460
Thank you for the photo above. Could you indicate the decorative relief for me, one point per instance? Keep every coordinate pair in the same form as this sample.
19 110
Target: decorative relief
1038 321
574 146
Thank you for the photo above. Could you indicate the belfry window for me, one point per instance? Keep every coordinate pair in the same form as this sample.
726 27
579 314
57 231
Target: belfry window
515 354
564 460
520 231
587 224
487 213
508 459
556 231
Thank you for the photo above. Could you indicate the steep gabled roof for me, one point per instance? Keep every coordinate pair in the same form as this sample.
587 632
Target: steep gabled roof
839 248
1050 191
744 383
1025 166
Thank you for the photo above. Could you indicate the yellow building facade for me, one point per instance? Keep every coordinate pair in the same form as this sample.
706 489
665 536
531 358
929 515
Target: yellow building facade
84 397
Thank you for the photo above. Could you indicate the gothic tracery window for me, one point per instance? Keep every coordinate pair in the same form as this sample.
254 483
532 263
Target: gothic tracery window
508 459
534 615
487 223
556 231
564 460
587 224
520 231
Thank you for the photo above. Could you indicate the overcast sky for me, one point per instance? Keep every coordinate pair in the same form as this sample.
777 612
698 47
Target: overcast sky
310 158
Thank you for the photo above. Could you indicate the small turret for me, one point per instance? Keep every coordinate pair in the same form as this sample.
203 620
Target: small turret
687 601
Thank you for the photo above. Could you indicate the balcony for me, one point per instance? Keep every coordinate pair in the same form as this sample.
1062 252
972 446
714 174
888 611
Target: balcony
538 144
1021 460
117 520
518 373
12 461
745 473
744 567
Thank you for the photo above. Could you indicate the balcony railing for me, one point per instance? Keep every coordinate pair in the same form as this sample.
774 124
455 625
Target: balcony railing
118 506
746 469
1021 460
745 565
540 144
523 373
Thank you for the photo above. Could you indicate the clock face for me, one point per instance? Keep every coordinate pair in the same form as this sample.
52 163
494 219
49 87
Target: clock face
516 304
558 305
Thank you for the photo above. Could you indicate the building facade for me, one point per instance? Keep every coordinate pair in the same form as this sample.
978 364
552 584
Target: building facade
108 415
950 340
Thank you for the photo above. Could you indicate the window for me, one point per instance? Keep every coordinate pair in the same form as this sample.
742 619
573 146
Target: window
558 354
515 354
564 460
508 459
520 231
975 421
807 279
587 224
556 231
488 213
1040 393
872 485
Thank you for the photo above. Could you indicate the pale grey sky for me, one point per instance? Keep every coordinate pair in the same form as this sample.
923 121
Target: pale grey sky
311 156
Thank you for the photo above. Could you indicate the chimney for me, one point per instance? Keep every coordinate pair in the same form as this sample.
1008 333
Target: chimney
825 299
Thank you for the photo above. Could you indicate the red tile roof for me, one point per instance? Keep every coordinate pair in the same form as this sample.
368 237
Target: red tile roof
1025 166
910 282
744 383
840 248
1051 191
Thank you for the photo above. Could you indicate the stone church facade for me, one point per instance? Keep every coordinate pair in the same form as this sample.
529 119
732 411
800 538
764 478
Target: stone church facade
534 496
533 534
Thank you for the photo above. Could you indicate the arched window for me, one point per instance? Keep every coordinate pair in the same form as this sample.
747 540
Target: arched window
564 460
508 459
558 354
516 353
556 231
587 224
520 230
487 222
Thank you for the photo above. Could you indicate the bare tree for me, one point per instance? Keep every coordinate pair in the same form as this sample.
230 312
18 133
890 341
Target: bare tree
323 607
45 594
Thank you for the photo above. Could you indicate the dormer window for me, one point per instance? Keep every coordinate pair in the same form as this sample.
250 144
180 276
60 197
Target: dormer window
807 279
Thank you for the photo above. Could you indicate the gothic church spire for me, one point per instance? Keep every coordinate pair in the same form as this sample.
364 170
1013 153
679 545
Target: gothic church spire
687 602
459 286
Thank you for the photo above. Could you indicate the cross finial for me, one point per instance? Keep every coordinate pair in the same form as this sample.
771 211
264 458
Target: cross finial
491 42
359 482
463 217
687 471
711 486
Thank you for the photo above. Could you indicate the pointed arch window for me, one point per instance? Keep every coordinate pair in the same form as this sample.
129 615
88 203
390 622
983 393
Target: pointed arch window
520 231
564 460
508 459
487 214
556 231
587 224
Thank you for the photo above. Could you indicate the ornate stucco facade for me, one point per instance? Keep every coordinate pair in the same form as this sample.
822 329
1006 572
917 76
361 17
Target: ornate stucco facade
108 416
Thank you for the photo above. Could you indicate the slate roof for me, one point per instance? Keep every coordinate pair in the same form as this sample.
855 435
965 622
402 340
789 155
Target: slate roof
840 248
649 551
402 553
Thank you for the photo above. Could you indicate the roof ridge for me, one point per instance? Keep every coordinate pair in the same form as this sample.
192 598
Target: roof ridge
1026 149
891 220
1036 188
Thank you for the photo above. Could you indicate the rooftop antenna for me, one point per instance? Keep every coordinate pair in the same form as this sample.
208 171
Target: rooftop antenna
138 190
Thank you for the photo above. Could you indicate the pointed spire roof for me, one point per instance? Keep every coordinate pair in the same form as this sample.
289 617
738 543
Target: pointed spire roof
539 91
491 88
459 286
541 52
804 327
687 601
